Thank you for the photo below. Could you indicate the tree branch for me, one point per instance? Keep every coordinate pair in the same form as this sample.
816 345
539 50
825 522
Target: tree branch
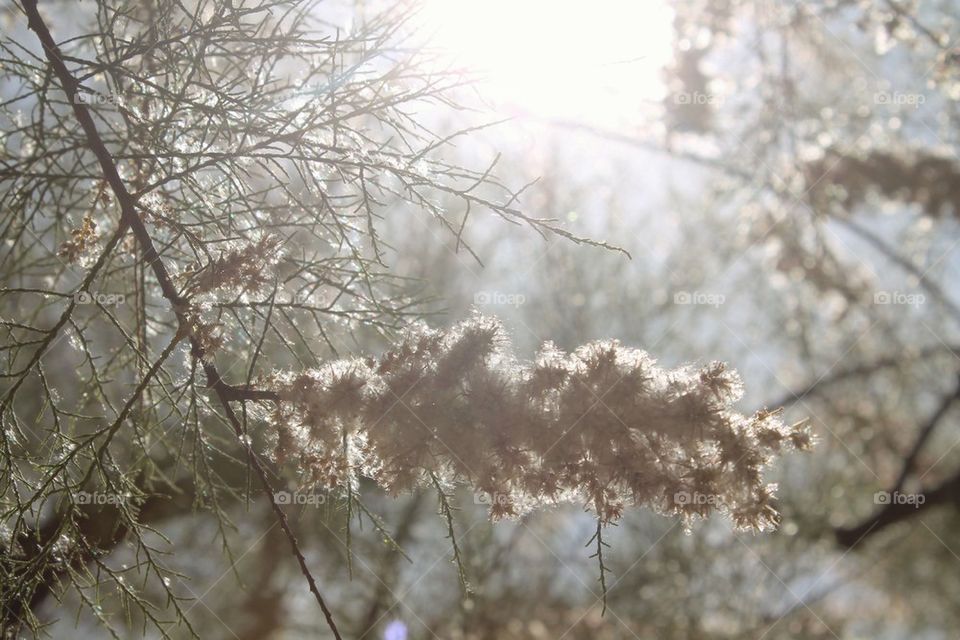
892 511
130 217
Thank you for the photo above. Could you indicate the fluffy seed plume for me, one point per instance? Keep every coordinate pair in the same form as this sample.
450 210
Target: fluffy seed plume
241 269
603 425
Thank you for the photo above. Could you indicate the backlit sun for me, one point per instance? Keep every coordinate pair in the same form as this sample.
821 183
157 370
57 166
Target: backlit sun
595 61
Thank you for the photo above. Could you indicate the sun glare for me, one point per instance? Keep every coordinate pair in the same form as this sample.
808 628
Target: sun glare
597 61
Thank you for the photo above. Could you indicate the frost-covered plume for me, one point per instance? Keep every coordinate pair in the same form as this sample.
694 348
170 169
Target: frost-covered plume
603 425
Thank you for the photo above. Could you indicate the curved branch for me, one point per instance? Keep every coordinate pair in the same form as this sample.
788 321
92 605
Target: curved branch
893 511
946 493
863 369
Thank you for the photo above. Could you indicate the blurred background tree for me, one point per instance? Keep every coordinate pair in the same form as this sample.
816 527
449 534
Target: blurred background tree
783 175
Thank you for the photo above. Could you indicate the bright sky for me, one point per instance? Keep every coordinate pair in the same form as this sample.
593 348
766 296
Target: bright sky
598 61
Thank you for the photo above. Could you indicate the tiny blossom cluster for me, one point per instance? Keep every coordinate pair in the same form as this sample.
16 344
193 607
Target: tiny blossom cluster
603 425
81 240
241 268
